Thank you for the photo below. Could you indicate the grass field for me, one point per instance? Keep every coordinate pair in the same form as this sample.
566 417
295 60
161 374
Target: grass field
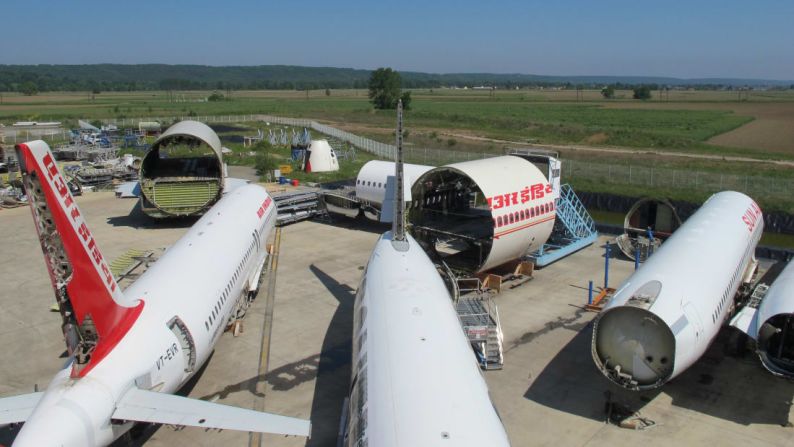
761 125
685 122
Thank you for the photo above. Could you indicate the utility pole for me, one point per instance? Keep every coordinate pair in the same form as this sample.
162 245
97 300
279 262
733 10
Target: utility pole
399 241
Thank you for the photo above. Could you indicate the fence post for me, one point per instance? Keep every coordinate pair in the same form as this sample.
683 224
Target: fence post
590 292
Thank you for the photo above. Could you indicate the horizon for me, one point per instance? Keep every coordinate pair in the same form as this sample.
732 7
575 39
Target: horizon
624 76
571 38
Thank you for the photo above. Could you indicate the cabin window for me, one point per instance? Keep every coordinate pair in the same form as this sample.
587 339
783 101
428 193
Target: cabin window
499 221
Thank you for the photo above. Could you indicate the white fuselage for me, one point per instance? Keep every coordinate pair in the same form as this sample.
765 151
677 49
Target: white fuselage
505 204
664 316
373 178
188 297
415 380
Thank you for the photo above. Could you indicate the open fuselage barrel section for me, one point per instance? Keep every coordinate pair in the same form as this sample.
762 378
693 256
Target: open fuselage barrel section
634 347
776 344
481 214
774 328
451 217
182 174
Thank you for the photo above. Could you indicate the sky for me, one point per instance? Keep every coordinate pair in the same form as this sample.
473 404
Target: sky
685 39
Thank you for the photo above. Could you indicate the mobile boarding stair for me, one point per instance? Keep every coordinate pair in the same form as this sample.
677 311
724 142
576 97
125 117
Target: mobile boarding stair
574 229
479 319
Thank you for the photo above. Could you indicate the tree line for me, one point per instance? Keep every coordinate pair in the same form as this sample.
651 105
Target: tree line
118 77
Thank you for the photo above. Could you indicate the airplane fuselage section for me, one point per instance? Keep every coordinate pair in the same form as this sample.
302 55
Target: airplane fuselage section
189 294
664 316
415 378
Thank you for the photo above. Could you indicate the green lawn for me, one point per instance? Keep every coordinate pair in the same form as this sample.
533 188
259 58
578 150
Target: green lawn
576 123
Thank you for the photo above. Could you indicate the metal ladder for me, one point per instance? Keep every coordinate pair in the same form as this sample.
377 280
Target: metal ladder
573 230
479 318
573 215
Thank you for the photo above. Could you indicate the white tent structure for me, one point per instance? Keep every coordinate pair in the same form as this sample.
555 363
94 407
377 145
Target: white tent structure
320 157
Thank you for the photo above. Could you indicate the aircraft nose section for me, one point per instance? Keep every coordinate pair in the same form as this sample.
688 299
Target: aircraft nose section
633 347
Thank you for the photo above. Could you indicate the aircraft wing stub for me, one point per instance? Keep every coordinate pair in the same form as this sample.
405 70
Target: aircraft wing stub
18 408
149 406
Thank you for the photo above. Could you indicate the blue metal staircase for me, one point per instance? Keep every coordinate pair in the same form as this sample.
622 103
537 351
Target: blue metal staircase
574 229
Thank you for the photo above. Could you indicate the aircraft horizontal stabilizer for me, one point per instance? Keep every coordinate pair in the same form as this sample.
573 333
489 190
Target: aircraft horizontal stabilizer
149 406
18 408
745 321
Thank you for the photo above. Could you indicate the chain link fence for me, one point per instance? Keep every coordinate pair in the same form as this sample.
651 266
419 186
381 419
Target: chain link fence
665 178
426 156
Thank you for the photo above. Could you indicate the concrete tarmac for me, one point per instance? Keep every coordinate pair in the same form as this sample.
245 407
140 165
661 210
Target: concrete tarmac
549 392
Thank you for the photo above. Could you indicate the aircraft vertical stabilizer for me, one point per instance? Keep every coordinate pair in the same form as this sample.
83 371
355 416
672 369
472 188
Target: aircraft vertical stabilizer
89 298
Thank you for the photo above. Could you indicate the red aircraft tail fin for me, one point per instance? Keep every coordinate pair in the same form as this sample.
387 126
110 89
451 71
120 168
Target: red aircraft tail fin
88 296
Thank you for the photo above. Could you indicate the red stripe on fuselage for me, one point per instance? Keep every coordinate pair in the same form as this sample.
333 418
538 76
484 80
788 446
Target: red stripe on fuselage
513 230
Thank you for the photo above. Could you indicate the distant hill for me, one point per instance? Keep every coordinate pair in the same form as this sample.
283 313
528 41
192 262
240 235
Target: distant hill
107 77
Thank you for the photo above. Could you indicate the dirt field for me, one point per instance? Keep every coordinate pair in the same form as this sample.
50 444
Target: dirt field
772 130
